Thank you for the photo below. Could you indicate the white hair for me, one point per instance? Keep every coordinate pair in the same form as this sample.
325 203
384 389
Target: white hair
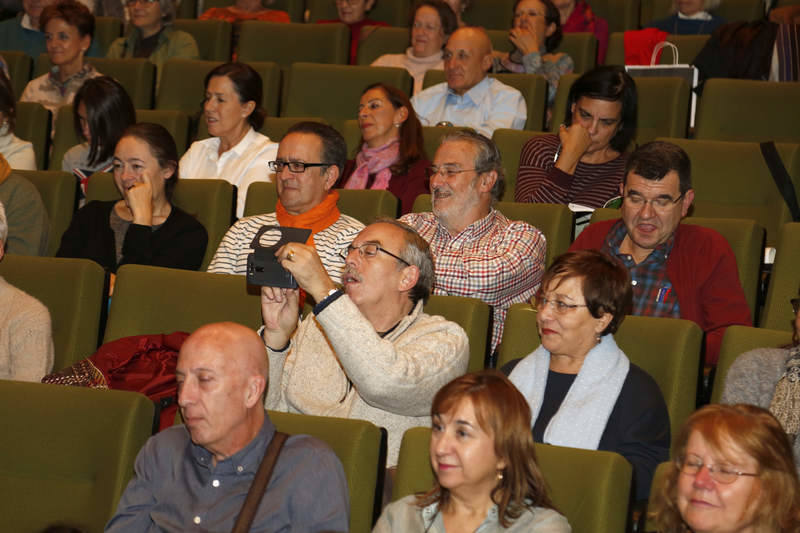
708 5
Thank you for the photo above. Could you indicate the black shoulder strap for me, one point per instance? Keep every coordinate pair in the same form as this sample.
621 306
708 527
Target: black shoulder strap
781 177
259 485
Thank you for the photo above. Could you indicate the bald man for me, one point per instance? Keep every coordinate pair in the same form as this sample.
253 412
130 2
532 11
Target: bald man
469 97
196 476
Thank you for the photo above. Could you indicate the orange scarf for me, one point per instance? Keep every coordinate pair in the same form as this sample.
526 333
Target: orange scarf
319 218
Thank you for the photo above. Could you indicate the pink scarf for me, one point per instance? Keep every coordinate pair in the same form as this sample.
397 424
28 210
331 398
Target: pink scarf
374 161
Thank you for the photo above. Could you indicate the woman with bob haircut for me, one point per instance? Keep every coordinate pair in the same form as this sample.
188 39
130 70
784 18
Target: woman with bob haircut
582 389
585 162
392 155
102 110
734 473
18 153
144 227
236 152
484 463
690 17
68 28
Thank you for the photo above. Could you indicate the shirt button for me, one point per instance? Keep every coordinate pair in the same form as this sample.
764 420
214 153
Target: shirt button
634 282
239 468
197 520
215 483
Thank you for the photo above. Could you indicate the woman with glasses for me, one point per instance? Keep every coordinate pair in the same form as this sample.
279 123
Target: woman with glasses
585 161
768 377
235 151
392 155
733 473
354 13
582 389
432 23
152 36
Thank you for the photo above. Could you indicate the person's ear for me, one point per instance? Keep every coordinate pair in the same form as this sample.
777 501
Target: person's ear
550 29
247 108
254 390
400 115
168 171
686 203
602 323
487 181
409 279
331 177
86 42
486 62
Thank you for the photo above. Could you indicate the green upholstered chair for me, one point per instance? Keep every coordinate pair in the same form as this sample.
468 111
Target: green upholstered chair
182 84
554 221
784 281
357 444
688 48
149 300
589 487
58 190
276 127
745 237
653 10
772 113
432 137
185 11
741 339
210 201
376 41
73 292
732 180
213 37
363 205
673 364
68 453
473 316
615 55
64 137
733 10
510 143
19 66
293 7
393 12
289 43
106 29
33 125
343 87
658 479
621 15
582 48
174 121
532 86
490 14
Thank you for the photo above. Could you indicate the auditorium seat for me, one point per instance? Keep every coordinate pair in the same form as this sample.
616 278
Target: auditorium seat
58 190
379 40
289 43
106 29
294 8
213 37
510 143
621 15
581 47
688 48
392 12
490 14
19 66
33 125
473 316
589 487
784 281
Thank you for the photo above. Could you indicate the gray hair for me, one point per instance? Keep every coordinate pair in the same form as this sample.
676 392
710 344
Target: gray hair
487 158
3 226
416 252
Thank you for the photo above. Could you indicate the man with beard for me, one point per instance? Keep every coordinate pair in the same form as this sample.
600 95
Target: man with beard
479 253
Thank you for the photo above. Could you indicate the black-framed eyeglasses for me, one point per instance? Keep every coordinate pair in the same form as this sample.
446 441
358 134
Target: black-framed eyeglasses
692 464
659 203
370 250
448 172
297 167
795 304
561 308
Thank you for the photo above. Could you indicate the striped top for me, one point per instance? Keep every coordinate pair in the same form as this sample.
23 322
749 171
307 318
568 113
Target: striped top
231 256
539 181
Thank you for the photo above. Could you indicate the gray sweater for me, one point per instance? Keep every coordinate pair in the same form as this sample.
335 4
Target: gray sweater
752 379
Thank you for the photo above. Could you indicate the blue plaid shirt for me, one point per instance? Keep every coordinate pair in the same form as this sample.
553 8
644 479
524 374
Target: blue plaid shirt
653 294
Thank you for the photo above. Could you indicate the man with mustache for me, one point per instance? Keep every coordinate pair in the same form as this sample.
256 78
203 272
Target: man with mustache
677 270
469 97
311 157
479 252
368 351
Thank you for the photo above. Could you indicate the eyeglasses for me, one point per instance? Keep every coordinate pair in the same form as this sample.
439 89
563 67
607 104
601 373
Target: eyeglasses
134 2
795 304
370 250
661 203
297 167
561 308
446 171
692 464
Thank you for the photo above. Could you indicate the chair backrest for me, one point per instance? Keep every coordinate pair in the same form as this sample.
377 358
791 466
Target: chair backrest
510 143
19 66
293 7
589 487
211 201
721 115
357 444
745 237
734 10
106 29
343 87
741 339
615 55
490 14
64 137
376 41
68 452
33 125
163 300
674 368
58 190
659 477
732 180
784 281
137 75
392 12
288 43
473 316
582 48
654 9
621 15
688 48
213 37
532 86
73 292
174 121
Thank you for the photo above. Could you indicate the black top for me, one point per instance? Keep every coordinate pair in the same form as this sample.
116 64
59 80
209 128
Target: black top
180 242
638 427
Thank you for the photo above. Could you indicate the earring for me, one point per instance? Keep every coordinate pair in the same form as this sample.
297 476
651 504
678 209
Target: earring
396 124
500 476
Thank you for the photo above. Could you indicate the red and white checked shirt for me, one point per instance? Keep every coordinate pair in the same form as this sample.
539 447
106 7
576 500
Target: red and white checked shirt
493 259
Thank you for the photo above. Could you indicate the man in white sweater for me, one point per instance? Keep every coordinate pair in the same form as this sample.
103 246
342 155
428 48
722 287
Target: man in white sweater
368 351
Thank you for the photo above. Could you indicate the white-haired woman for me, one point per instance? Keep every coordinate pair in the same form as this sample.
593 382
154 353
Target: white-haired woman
690 17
